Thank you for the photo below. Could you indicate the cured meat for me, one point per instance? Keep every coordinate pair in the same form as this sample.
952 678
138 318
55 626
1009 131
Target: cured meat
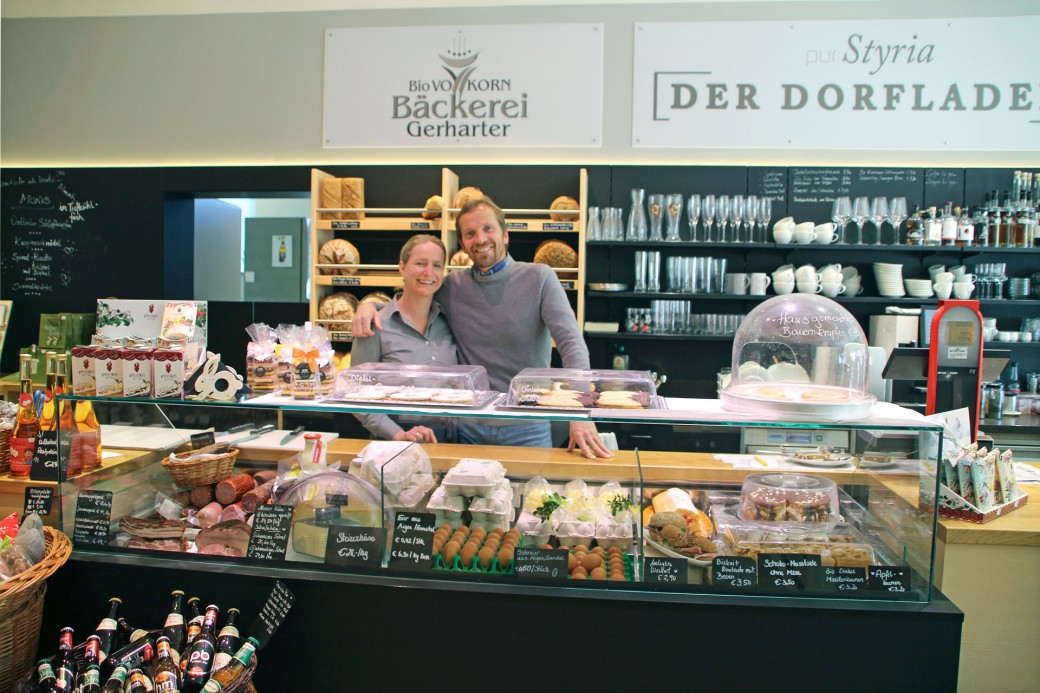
157 544
232 489
262 477
152 529
222 550
234 534
258 496
201 496
233 512
210 515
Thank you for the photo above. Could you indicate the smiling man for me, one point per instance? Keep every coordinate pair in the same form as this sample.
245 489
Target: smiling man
505 316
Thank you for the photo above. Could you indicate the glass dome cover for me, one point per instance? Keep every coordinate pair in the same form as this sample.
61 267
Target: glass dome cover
799 354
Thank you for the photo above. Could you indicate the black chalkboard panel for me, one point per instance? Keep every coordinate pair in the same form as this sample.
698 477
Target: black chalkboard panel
92 520
273 614
269 539
771 182
942 185
812 190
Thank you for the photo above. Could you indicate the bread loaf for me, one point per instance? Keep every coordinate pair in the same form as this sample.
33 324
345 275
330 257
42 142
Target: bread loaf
466 195
353 195
331 197
338 306
461 259
376 297
556 253
434 206
564 202
338 251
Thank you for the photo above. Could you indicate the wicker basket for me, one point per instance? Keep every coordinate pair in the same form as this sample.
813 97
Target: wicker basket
202 471
5 449
21 609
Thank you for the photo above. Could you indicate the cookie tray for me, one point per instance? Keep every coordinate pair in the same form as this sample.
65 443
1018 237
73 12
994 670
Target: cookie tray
481 398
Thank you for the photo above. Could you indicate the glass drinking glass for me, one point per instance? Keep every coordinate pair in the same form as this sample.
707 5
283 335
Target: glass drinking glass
673 210
878 214
636 230
736 215
765 212
655 205
593 227
693 214
896 215
708 215
750 211
860 214
722 216
841 213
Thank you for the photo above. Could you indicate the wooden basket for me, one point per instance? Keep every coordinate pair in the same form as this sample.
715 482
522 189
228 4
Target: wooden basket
5 449
202 471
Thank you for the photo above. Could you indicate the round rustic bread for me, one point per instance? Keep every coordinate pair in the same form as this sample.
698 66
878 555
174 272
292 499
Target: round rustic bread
465 195
460 259
338 252
556 253
377 297
338 306
434 205
564 202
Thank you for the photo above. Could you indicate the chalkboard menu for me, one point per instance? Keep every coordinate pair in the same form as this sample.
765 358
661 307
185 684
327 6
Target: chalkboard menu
668 571
812 191
739 572
540 564
50 451
841 579
38 499
770 182
269 539
790 572
942 185
411 548
272 615
93 517
889 578
358 547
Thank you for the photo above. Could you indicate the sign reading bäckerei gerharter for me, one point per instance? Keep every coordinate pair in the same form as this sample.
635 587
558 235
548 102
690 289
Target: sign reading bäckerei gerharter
937 84
470 86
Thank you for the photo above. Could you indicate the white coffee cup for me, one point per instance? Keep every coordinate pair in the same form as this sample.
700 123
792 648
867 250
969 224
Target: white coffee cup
962 290
806 273
947 277
935 269
942 290
786 275
959 270
804 232
1025 336
832 289
825 233
834 266
853 287
737 283
849 272
963 278
1003 336
783 288
783 233
830 275
760 281
809 287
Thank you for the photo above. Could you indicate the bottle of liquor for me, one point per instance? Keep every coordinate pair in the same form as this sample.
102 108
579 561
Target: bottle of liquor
138 652
117 681
167 677
138 682
225 676
201 652
932 227
228 641
914 229
65 674
965 227
107 630
48 417
1005 221
89 680
45 679
948 226
23 437
174 629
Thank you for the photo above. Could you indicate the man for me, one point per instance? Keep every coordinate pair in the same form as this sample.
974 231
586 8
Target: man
505 316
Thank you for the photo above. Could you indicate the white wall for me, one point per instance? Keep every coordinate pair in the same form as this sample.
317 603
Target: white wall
246 88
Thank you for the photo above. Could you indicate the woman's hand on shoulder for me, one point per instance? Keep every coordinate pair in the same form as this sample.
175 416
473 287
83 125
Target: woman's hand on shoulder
366 321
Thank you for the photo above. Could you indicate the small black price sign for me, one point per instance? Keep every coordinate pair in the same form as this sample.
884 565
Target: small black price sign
738 572
346 281
346 225
355 547
412 546
38 499
558 226
201 440
669 571
845 579
533 563
790 572
269 539
516 226
889 578
273 614
420 226
93 518
50 451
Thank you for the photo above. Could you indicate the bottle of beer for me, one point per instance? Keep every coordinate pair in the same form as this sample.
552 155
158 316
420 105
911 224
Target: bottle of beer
194 627
174 629
200 654
23 437
66 672
138 652
167 677
107 629
89 679
228 641
129 634
138 681
45 678
224 677
116 681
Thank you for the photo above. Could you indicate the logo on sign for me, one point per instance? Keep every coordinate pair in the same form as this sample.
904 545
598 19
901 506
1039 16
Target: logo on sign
462 105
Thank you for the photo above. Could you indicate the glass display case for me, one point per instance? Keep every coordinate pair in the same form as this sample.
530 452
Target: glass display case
643 521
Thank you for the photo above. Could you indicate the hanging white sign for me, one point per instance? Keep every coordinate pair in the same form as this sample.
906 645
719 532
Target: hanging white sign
470 86
958 84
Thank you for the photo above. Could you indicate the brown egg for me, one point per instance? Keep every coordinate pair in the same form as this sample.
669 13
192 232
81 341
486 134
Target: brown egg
485 557
579 573
467 554
478 532
598 551
505 556
514 532
450 550
492 541
446 528
572 562
580 549
591 561
548 547
598 574
614 551
436 545
443 536
617 577
497 532
509 544
463 528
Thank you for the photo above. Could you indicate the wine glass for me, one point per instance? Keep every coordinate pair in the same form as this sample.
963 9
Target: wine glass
896 215
860 214
750 210
708 215
878 214
693 213
841 213
765 212
736 216
722 215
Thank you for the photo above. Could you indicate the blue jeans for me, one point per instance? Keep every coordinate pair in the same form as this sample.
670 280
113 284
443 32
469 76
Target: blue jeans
531 435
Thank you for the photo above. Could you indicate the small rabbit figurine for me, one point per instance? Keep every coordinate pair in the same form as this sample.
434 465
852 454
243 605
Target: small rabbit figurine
216 381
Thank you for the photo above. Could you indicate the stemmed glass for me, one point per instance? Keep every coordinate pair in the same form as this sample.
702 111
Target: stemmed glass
693 213
896 215
708 215
878 214
841 213
736 214
750 210
860 214
765 212
722 216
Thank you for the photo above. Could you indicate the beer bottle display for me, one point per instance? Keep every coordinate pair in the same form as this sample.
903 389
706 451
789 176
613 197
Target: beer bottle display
224 677
201 652
106 630
167 674
174 629
89 680
228 640
45 678
116 681
66 671
195 624
138 652
128 633
23 437
138 682
48 417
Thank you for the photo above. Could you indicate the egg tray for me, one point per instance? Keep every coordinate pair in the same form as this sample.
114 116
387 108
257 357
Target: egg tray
494 568
628 568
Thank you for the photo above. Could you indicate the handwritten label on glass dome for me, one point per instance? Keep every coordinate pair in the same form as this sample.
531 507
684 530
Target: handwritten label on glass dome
828 326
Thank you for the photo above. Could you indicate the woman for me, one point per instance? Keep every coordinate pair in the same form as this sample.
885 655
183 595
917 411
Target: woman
414 332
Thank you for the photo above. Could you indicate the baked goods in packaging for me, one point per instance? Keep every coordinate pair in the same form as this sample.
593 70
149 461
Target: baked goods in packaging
338 251
564 202
338 306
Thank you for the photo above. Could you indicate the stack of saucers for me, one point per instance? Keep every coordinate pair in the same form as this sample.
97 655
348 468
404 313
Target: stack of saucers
919 288
889 279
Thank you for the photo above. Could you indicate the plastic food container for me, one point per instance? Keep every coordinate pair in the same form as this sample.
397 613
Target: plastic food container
473 477
495 507
401 469
573 532
534 530
445 507
610 533
397 383
778 497
571 388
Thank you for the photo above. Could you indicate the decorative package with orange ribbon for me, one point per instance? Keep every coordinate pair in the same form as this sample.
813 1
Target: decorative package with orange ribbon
305 355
